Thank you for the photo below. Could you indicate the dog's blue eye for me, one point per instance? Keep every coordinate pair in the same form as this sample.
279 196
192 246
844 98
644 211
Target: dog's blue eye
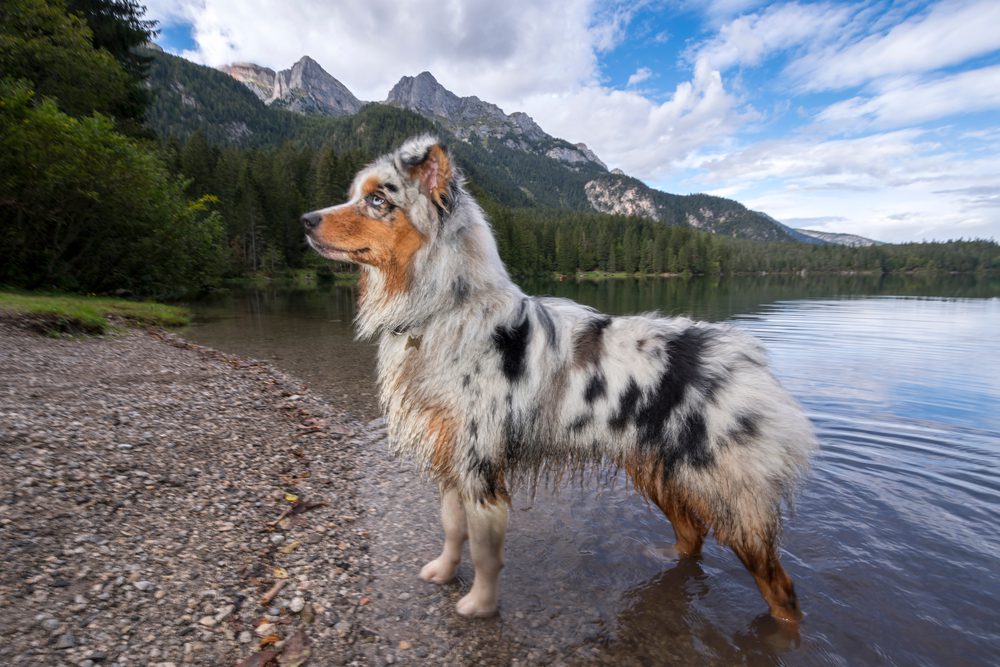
375 200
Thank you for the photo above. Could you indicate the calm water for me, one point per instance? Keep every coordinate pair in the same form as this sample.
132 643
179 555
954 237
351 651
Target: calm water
895 542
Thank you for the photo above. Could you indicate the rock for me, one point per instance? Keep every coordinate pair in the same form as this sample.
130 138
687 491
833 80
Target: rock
265 629
342 628
224 611
209 439
277 538
306 87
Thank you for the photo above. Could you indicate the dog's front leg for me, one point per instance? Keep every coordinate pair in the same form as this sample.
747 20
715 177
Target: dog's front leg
441 570
487 528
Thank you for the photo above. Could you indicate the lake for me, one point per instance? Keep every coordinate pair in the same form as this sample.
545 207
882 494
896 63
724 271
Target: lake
894 544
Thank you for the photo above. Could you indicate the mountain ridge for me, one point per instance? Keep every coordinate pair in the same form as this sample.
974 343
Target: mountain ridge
471 118
524 165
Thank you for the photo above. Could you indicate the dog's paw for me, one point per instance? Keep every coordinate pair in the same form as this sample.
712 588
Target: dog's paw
474 606
439 571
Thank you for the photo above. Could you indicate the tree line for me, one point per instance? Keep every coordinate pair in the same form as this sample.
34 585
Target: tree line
261 192
105 186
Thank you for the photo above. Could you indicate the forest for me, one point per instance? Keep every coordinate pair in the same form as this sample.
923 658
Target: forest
111 182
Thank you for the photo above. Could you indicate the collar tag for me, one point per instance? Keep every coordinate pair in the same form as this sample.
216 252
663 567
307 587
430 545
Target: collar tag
413 341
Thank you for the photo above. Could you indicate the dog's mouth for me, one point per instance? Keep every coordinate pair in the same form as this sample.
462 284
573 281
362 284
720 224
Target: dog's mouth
333 252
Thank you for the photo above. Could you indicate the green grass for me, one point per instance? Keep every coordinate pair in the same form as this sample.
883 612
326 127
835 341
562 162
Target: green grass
56 314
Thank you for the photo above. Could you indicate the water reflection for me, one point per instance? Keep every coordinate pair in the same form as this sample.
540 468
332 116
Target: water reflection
894 545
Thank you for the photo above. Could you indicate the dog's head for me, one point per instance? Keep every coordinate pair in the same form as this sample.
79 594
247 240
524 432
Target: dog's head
421 240
396 208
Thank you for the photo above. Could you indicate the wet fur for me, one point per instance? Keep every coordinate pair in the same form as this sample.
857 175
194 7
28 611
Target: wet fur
486 386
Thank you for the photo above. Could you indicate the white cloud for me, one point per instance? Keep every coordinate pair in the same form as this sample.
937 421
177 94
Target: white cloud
948 34
627 129
473 47
907 101
639 76
747 40
893 186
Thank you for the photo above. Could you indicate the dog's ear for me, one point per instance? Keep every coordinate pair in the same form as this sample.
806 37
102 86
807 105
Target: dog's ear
432 170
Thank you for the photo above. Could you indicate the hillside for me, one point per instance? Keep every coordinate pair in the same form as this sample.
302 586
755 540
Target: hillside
850 240
507 157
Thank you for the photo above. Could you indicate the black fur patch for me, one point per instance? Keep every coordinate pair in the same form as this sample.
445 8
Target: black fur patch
747 428
628 405
545 319
461 290
391 187
597 387
511 341
692 441
581 423
488 473
473 429
684 369
652 412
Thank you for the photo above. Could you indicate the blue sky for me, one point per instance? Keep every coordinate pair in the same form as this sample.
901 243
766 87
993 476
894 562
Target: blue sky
875 118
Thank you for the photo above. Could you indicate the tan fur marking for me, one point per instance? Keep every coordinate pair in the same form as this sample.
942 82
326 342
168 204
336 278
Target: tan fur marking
406 241
369 186
388 246
690 518
435 173
442 429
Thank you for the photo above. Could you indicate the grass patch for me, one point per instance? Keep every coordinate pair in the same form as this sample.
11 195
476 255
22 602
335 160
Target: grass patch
56 314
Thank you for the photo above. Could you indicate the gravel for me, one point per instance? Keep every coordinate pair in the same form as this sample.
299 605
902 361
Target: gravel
162 503
142 479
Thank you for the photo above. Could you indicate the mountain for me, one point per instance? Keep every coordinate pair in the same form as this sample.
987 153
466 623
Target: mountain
620 194
850 240
507 157
305 88
470 118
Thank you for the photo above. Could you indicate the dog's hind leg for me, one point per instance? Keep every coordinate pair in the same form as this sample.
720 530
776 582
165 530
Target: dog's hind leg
487 529
753 535
689 530
442 569
772 580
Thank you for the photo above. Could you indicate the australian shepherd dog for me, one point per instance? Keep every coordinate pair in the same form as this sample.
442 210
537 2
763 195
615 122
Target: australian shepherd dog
486 386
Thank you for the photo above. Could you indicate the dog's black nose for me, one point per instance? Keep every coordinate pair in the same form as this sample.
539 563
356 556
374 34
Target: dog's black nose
310 220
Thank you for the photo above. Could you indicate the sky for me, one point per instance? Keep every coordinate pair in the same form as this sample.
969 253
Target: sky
873 118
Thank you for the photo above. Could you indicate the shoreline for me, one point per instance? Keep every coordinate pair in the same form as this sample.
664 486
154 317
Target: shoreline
156 491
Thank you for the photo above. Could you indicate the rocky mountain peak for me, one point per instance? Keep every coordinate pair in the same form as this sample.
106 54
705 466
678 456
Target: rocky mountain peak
305 87
426 96
471 117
